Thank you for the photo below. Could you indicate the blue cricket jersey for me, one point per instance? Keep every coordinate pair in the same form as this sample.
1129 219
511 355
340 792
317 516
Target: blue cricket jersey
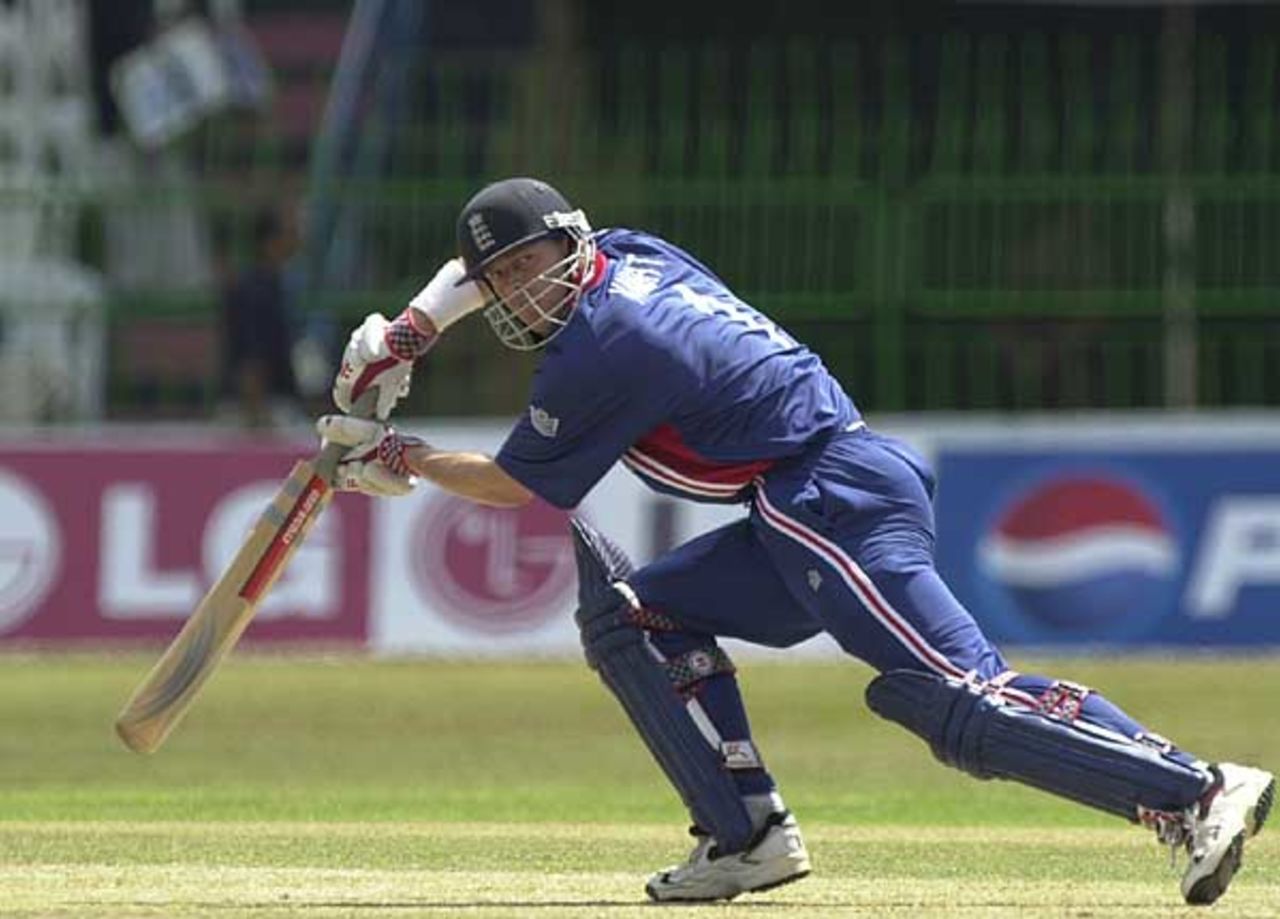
661 366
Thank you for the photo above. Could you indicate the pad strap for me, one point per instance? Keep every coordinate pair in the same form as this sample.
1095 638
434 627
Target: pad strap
692 667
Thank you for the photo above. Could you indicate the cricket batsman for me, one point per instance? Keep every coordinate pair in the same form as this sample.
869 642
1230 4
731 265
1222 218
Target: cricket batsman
649 358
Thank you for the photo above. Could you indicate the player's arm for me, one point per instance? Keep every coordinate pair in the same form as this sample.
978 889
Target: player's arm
380 461
381 352
470 475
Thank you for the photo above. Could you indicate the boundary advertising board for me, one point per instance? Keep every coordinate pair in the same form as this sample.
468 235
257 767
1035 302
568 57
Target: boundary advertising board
103 543
1075 536
1126 531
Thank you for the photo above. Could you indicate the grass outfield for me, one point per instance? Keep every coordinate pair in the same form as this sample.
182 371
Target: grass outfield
345 787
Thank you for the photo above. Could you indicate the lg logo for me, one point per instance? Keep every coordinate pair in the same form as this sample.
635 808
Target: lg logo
491 569
134 584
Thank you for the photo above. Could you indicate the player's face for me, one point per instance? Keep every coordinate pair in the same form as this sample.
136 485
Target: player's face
523 268
534 287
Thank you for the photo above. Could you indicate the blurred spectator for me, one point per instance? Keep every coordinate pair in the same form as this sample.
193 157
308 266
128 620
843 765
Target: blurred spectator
257 342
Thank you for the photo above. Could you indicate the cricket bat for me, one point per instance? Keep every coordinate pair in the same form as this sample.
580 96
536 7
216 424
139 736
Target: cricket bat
163 697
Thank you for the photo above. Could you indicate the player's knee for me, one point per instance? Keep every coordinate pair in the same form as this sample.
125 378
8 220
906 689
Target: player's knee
605 626
936 710
611 618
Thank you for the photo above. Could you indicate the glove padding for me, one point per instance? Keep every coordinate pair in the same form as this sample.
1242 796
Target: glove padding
381 352
375 465
368 361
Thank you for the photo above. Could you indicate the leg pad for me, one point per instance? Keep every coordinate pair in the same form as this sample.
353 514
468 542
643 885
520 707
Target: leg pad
617 649
987 737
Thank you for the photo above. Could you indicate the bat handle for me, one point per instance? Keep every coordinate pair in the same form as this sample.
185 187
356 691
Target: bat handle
326 464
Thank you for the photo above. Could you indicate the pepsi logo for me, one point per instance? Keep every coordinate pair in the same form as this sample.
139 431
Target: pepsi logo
1088 553
494 570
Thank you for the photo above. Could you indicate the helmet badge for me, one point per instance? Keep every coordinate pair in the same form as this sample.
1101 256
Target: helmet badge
481 235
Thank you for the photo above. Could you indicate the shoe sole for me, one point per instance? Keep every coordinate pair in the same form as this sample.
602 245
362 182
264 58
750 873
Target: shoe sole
771 885
1258 815
1210 887
774 885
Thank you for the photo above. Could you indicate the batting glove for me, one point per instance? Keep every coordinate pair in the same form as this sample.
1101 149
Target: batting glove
370 359
381 353
375 463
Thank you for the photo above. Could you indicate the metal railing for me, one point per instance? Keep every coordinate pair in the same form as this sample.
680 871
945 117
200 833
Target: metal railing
971 220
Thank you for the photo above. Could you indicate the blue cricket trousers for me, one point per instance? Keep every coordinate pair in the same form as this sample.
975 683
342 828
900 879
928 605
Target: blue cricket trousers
841 540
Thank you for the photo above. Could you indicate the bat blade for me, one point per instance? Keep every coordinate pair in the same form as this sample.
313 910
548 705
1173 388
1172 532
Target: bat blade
164 695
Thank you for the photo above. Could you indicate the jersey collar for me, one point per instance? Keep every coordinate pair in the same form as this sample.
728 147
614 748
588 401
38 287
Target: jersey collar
596 277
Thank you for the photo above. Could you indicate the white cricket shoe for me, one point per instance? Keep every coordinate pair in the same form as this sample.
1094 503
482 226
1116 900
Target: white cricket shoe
1236 807
778 857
